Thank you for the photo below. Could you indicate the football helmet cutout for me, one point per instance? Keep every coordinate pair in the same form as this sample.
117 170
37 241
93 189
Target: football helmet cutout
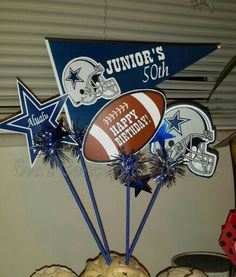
188 134
83 80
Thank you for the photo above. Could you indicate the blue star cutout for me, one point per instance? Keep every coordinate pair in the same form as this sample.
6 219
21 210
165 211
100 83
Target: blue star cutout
35 117
141 184
74 77
175 122
162 135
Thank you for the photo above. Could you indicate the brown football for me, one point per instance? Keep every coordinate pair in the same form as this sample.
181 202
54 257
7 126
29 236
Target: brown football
129 122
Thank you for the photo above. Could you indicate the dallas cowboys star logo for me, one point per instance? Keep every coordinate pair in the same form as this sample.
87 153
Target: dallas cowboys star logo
175 122
161 136
74 77
34 118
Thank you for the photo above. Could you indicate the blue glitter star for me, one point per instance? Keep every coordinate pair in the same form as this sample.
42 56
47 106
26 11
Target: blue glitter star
162 134
74 77
35 117
175 122
141 184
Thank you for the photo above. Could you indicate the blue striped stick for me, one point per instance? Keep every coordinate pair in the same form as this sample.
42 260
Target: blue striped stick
81 207
145 217
95 207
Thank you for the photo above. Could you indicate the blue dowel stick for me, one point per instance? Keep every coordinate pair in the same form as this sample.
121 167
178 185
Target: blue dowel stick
90 188
127 223
145 217
81 207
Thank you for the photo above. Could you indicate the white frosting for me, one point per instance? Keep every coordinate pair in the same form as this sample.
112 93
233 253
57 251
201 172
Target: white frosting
54 271
117 268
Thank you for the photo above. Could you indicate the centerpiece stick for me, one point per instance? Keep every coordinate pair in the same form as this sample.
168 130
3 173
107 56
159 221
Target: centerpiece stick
164 169
127 169
38 122
78 136
144 219
50 144
127 223
90 188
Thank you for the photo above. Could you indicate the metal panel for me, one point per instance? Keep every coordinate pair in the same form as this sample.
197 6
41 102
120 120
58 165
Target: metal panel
25 23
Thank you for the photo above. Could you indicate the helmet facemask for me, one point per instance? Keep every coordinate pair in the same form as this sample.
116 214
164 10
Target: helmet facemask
188 133
193 149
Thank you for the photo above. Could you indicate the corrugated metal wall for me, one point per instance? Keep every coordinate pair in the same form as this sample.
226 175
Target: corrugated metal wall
24 25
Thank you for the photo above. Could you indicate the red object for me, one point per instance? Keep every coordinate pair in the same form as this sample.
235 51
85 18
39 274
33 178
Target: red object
129 121
228 236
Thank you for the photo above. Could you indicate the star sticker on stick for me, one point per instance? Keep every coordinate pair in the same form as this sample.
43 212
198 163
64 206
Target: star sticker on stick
34 118
141 184
162 135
